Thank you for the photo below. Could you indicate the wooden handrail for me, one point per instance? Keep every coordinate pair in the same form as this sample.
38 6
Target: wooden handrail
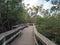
43 39
9 32
4 35
7 41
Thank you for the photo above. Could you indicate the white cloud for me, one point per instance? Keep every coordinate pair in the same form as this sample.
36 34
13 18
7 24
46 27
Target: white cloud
31 2
47 5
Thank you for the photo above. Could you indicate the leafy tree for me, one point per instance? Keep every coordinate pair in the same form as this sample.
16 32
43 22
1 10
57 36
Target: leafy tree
12 12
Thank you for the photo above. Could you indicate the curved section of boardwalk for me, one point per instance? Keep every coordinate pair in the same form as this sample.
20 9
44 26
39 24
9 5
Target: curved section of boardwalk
27 37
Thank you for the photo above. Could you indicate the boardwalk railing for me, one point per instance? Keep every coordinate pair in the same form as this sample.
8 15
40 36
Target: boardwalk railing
8 36
43 39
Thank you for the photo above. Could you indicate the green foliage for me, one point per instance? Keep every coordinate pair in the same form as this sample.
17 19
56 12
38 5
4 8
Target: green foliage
49 26
47 0
54 1
53 8
12 12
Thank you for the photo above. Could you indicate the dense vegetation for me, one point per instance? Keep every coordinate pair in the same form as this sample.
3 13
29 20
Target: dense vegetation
12 12
49 23
49 27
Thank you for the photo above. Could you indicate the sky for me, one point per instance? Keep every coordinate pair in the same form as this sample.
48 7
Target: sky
46 5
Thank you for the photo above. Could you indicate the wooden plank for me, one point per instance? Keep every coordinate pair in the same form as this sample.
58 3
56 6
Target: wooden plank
43 39
9 32
5 42
35 40
27 37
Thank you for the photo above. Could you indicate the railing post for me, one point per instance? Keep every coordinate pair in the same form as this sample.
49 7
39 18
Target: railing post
8 36
43 39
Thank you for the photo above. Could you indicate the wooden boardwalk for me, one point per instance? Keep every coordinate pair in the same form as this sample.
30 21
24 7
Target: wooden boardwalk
27 37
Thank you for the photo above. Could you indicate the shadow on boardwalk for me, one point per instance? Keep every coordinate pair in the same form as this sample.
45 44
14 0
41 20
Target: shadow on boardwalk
27 37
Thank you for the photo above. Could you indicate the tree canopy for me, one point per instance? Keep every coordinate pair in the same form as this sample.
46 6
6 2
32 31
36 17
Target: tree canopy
12 12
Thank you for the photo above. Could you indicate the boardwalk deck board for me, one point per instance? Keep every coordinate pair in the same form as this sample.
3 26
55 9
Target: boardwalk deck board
27 37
